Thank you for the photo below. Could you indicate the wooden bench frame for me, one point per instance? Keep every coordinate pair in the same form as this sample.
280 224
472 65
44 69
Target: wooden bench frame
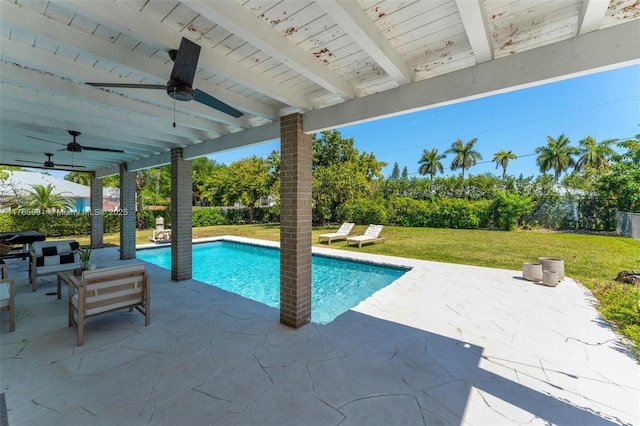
112 289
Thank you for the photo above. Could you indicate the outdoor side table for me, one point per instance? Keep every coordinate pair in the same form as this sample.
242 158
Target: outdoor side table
69 278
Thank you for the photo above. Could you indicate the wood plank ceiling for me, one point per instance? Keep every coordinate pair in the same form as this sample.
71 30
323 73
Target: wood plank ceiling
336 61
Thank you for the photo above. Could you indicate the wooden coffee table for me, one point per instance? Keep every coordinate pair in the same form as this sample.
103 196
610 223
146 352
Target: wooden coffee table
69 278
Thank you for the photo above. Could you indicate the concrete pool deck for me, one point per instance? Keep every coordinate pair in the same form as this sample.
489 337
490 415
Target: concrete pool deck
445 344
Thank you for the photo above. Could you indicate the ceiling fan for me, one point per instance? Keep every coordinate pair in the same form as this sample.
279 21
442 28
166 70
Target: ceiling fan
48 164
75 146
180 85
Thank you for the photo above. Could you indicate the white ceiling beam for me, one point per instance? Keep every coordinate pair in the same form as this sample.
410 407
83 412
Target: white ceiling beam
41 27
130 143
16 132
140 26
112 106
27 56
356 23
244 24
253 136
592 13
601 50
143 163
475 24
108 171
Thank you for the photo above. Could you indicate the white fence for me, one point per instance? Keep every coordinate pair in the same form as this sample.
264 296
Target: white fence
628 224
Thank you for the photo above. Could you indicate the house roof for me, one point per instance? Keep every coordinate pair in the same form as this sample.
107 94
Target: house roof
23 181
337 62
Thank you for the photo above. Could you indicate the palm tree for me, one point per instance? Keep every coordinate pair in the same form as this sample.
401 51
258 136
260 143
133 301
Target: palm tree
595 155
43 198
430 163
501 158
556 155
465 156
82 178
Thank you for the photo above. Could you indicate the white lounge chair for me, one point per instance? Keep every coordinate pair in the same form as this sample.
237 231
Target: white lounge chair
371 235
343 232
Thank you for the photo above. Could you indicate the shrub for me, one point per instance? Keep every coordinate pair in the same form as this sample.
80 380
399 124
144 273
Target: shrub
406 211
363 210
440 213
207 216
509 209
454 213
269 214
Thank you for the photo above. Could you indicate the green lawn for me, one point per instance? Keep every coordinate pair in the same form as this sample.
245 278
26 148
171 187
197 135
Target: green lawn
594 260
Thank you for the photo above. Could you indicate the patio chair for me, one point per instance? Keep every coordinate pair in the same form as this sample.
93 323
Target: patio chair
7 297
342 233
100 291
371 235
51 257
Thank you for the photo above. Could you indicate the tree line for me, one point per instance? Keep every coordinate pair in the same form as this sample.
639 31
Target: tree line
348 185
557 155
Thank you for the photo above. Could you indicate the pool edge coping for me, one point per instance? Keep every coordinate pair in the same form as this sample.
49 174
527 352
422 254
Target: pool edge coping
375 259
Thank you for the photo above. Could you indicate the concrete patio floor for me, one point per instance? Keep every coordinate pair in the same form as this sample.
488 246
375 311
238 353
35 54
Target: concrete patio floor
443 345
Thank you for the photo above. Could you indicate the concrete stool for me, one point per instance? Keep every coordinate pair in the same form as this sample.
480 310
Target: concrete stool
532 271
550 278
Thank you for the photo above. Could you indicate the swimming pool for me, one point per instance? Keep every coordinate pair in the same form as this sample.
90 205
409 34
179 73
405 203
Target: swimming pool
253 271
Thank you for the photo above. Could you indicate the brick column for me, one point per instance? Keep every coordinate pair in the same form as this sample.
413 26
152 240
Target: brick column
97 217
295 222
128 213
181 212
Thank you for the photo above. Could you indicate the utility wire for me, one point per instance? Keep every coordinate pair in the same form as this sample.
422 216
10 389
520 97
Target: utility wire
415 117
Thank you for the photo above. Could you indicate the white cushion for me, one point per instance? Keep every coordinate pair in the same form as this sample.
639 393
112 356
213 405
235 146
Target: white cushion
44 270
62 247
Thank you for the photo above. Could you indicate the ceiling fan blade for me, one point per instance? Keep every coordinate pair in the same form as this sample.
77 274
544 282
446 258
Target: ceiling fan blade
208 100
45 140
73 166
130 86
184 67
90 148
42 165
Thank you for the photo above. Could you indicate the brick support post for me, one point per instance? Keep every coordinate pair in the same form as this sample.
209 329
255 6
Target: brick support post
128 213
295 222
97 217
181 212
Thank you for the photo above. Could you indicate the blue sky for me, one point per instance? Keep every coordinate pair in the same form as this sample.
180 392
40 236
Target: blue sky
605 105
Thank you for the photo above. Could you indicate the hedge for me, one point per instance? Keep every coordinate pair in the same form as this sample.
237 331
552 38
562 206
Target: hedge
55 224
441 213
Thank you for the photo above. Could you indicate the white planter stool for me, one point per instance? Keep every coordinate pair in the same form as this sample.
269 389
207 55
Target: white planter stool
550 278
532 271
553 264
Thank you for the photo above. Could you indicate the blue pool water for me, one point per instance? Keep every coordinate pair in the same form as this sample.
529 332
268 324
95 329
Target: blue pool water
254 272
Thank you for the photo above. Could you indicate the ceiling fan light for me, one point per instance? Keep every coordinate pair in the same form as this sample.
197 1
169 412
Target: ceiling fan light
179 92
74 147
